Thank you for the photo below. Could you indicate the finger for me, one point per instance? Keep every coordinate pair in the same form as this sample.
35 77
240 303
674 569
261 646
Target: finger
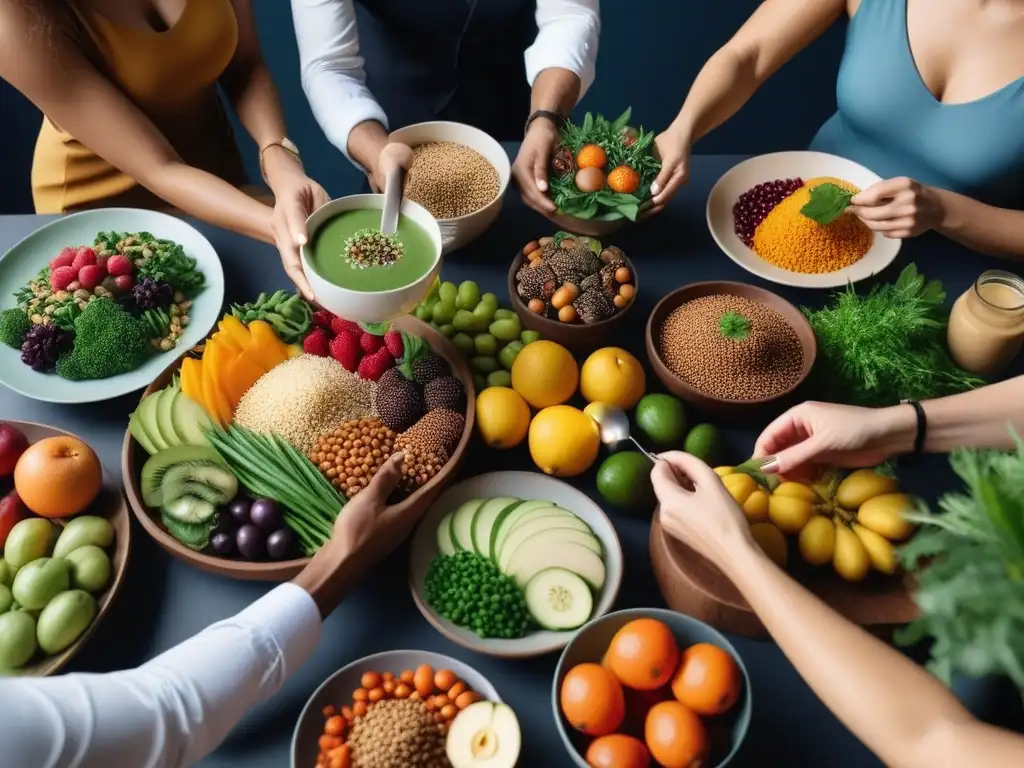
666 482
386 479
527 186
293 268
540 181
795 457
680 464
892 225
779 434
876 213
320 197
296 211
650 209
675 181
883 190
663 178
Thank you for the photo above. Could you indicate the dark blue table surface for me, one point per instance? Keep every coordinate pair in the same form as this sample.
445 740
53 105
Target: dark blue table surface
164 602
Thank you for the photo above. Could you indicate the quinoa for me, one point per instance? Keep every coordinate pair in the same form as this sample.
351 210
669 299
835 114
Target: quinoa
398 733
450 180
758 359
304 398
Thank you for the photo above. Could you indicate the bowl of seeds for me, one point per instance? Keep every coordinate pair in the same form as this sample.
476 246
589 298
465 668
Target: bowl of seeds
729 348
459 174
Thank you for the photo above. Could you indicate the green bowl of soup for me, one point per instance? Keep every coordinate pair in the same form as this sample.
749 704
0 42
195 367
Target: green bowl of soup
361 275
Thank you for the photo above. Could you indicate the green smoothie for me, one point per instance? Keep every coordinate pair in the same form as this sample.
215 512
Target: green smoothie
349 251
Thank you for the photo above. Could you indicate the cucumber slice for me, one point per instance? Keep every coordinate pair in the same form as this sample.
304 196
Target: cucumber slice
559 599
545 552
192 535
508 519
485 518
569 535
462 524
445 546
535 525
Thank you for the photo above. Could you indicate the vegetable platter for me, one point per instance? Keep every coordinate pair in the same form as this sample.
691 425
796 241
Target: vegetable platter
94 305
542 556
239 458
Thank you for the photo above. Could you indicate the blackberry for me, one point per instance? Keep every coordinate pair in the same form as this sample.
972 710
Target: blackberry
152 294
445 393
429 368
398 406
42 345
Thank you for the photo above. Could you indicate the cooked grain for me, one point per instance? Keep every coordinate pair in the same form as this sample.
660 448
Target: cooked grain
450 180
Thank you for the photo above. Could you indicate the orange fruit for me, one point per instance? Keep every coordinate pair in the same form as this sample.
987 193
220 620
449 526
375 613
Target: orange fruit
675 736
643 654
591 700
591 156
58 477
623 179
708 680
617 751
638 704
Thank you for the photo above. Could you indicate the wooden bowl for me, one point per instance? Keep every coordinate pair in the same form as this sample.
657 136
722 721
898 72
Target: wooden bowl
589 227
720 405
692 585
407 512
109 504
578 336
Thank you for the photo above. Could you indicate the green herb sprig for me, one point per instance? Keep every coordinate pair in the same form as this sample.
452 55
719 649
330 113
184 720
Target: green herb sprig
827 203
734 326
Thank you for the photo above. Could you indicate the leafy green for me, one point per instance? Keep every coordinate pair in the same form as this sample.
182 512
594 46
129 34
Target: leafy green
733 325
108 342
827 203
413 348
752 467
157 323
155 258
288 313
889 344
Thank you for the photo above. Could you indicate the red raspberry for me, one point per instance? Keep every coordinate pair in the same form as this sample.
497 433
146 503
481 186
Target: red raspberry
119 265
322 318
372 366
345 349
85 257
124 283
370 343
317 342
393 341
62 277
340 325
65 258
90 276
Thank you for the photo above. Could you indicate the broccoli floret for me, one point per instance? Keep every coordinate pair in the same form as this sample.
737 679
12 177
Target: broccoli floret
14 324
108 342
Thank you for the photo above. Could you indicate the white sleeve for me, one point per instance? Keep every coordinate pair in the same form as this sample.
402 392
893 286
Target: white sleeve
567 37
332 71
172 710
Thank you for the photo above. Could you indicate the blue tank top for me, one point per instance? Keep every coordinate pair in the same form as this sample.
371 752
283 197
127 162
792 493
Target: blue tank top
890 122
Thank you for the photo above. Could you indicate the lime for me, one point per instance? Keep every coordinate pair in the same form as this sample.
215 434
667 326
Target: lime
662 419
624 481
704 442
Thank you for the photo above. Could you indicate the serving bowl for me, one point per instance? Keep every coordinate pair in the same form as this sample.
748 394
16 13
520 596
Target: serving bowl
519 485
406 512
710 403
338 688
783 165
589 227
589 646
462 230
369 306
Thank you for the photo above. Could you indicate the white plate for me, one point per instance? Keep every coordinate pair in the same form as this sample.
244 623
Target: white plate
788 165
520 485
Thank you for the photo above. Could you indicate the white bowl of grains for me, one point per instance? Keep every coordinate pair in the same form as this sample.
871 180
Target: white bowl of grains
460 174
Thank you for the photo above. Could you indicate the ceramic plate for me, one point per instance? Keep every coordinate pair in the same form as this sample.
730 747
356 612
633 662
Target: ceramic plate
520 485
24 260
336 691
787 165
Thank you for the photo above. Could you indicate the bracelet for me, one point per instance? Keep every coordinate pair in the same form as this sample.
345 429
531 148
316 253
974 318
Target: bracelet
545 114
922 428
287 146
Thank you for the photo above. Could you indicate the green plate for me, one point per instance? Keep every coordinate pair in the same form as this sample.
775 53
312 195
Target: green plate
24 260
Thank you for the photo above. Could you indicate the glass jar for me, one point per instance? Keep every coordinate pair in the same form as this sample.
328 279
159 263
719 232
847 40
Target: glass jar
986 326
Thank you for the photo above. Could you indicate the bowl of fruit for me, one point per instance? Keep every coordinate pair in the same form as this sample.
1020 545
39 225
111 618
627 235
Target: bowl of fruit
649 684
571 289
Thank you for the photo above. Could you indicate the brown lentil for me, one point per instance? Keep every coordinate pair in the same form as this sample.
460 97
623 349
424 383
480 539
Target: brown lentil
350 455
438 430
768 361
450 179
398 733
304 398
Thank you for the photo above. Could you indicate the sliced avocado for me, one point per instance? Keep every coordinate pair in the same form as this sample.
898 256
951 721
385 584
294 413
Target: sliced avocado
536 525
165 418
137 425
153 471
508 518
484 519
545 552
462 524
445 545
190 421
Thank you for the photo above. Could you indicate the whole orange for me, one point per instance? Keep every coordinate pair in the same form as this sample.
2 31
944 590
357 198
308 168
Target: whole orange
675 736
591 156
592 700
58 477
617 751
708 680
623 179
643 654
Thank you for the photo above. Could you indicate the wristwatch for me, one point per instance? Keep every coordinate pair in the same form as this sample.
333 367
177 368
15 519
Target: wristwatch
544 114
284 143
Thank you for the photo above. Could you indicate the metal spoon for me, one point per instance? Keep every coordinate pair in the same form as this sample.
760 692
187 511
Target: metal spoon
613 424
394 159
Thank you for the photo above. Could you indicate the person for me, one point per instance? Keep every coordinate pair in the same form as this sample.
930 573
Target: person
900 711
448 60
133 117
176 708
920 82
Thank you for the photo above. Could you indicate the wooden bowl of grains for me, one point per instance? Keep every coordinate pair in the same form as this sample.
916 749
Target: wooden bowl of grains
406 513
728 348
460 174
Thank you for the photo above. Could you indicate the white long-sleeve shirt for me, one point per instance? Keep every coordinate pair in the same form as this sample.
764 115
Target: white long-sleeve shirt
335 82
172 710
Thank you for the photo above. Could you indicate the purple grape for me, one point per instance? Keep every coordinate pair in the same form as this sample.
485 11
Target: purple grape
265 514
223 544
281 544
239 509
250 541
225 522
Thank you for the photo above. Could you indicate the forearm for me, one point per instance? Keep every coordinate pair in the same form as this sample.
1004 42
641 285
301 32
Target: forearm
365 142
725 83
322 577
253 95
555 90
984 228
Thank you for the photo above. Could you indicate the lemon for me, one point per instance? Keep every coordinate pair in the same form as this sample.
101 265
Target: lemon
502 417
612 375
545 374
564 441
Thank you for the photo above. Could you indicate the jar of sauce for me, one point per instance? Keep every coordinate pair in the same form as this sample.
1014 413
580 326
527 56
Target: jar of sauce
986 326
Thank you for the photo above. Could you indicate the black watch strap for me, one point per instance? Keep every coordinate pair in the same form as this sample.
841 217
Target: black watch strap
922 428
544 114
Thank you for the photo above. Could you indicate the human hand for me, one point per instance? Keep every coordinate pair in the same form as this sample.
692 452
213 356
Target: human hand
704 516
813 436
530 169
673 149
296 196
898 208
365 513
393 155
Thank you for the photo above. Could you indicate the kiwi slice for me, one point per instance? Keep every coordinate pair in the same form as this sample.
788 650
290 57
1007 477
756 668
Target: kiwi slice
190 510
193 536
157 466
210 482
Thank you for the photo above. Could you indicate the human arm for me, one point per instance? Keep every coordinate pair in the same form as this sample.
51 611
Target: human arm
901 713
560 67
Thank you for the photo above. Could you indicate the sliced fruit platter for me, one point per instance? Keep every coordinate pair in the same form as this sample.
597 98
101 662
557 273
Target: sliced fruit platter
510 563
64 543
240 458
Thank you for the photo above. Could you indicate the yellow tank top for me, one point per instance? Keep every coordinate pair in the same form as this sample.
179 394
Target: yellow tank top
171 76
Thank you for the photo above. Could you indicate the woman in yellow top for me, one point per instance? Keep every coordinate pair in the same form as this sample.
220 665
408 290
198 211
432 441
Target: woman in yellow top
133 117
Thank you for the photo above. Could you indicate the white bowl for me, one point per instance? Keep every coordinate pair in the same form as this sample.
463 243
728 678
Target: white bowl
337 689
369 306
521 485
787 165
462 230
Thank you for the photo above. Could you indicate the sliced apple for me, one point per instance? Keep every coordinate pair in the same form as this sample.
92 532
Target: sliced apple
484 735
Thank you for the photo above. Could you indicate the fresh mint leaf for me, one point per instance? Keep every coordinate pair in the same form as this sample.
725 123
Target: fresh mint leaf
827 203
376 329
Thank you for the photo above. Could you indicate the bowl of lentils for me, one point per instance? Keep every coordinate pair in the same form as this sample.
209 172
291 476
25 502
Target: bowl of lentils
459 174
729 348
